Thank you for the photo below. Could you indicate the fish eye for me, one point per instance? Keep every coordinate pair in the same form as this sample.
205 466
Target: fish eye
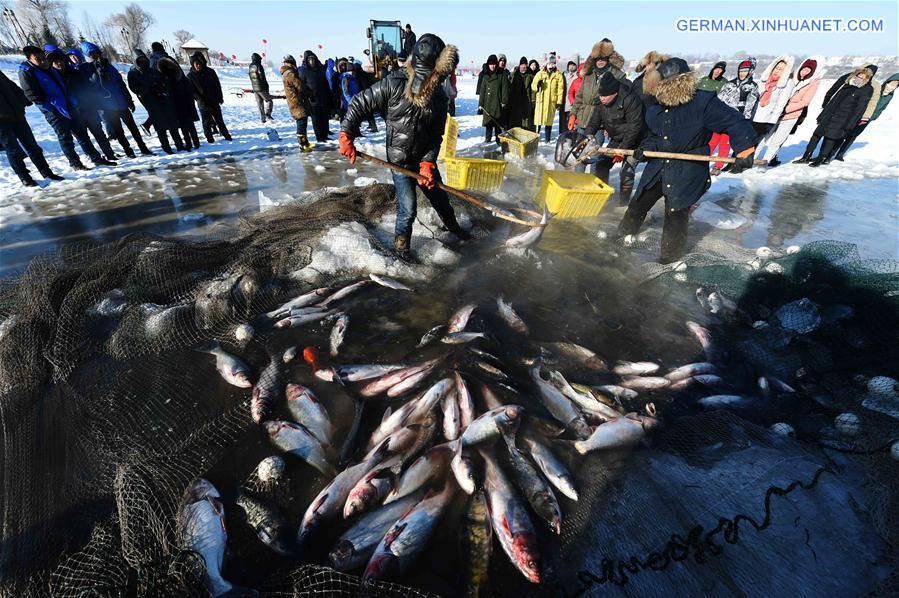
532 565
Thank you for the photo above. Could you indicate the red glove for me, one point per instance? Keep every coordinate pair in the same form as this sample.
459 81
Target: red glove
572 123
617 159
426 170
346 147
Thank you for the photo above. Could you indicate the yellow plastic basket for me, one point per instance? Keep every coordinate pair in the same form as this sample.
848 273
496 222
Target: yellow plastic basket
573 194
450 136
476 174
520 142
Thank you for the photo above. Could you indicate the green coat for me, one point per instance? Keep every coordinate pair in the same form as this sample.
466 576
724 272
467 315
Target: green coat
494 97
713 85
884 100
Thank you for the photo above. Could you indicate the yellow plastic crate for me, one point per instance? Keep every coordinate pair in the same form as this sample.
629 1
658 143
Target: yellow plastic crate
519 141
450 136
573 194
476 174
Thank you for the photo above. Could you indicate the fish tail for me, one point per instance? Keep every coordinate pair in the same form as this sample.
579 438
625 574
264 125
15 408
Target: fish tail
208 347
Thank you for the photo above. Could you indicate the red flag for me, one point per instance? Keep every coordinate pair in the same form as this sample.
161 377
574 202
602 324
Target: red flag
234 57
265 41
321 47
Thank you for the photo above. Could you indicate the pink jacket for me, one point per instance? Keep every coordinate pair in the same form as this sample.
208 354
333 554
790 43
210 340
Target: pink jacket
801 98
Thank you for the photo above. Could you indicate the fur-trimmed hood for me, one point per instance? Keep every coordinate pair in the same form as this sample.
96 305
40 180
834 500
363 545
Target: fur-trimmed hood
605 48
785 74
670 92
816 74
859 71
651 57
443 67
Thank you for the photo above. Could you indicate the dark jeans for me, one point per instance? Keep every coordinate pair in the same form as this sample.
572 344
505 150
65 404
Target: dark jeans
191 137
626 176
490 130
674 229
212 117
563 120
849 140
65 129
91 120
407 205
264 103
114 120
547 131
14 136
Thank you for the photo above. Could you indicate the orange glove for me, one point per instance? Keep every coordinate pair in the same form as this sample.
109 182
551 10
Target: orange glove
572 122
346 147
426 170
617 159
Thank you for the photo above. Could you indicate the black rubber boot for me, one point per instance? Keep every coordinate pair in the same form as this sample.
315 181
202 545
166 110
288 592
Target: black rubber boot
303 140
401 246
27 180
625 197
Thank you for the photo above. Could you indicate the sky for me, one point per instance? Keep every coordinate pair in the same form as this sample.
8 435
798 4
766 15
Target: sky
514 28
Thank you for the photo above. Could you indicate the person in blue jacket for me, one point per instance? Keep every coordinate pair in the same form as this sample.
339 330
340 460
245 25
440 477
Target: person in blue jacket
45 88
115 99
84 99
349 86
682 121
16 137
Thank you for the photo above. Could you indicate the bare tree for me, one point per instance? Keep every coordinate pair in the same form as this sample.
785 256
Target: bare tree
182 36
100 34
131 26
41 18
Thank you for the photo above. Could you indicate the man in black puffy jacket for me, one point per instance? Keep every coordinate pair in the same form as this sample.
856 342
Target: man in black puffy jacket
312 74
208 93
260 87
413 104
620 114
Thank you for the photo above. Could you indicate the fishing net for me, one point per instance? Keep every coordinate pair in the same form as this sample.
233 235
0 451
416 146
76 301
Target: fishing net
108 412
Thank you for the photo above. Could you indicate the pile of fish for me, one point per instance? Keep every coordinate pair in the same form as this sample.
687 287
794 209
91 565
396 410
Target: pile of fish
463 424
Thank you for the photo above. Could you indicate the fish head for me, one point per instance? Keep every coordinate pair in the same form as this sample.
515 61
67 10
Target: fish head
596 363
381 566
341 555
512 413
548 509
527 555
580 428
200 489
272 427
326 374
358 499
240 378
650 424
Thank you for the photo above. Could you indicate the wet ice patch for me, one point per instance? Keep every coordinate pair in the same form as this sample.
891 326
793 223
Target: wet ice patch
364 181
352 171
192 217
713 214
319 168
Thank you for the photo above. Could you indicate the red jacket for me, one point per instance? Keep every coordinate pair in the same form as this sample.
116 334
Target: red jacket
576 84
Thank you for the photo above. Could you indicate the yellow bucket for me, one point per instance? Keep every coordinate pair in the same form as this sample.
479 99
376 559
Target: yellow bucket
476 174
573 194
450 136
520 142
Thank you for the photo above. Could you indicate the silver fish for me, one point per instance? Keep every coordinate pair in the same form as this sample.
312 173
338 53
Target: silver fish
431 335
466 403
289 354
464 469
727 401
411 412
386 281
618 393
491 424
202 520
407 538
297 302
623 432
459 320
244 333
534 488
410 383
295 439
511 318
422 471
338 332
452 422
584 401
493 371
268 390
645 383
301 320
720 303
330 501
371 489
781 385
345 292
576 355
704 337
354 548
632 368
559 406
551 466
271 527
306 409
459 338
356 373
387 381
690 370
232 369
532 235
511 524
702 297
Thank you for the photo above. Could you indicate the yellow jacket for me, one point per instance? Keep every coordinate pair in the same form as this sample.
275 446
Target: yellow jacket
550 95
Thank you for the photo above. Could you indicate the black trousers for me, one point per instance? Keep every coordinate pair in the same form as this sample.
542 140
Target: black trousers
674 229
114 120
847 141
212 119
65 129
626 176
490 130
17 139
320 124
91 120
191 137
761 129
827 148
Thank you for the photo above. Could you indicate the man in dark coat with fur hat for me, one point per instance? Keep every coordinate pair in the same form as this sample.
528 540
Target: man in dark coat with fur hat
413 104
682 121
620 114
603 58
650 61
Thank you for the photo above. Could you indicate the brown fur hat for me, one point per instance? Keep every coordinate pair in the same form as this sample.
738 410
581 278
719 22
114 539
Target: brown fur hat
670 92
443 67
862 70
651 57
603 48
616 59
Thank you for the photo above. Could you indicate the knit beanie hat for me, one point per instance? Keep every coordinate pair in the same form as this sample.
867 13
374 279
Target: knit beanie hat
608 84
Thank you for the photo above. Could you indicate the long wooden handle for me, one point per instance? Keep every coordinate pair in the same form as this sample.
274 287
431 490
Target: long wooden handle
653 154
495 210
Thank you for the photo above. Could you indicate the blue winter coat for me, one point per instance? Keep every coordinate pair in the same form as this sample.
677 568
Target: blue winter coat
687 128
108 85
46 89
349 86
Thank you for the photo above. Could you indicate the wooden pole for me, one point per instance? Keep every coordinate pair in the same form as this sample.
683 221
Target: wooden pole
495 210
651 154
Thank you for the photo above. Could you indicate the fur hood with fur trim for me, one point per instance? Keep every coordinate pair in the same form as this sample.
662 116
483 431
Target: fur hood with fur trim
443 67
603 48
816 75
670 92
651 57
785 74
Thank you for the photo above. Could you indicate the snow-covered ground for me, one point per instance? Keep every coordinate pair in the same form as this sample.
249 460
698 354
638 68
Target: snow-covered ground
874 156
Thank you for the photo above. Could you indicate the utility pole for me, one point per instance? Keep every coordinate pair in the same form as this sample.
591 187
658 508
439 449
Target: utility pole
10 16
